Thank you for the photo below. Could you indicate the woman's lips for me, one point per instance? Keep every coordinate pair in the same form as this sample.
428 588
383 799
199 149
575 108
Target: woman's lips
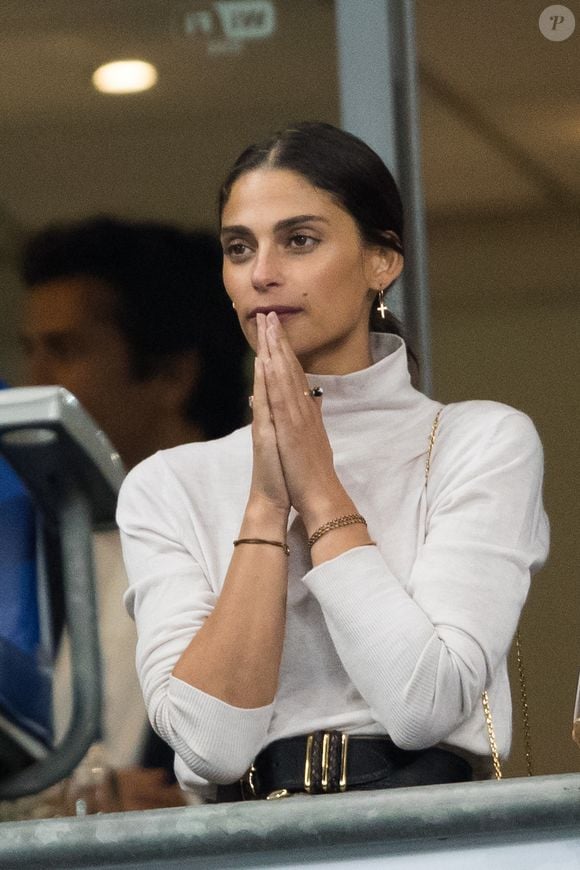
283 311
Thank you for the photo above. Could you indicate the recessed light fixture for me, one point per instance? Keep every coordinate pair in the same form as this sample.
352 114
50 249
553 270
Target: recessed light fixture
125 77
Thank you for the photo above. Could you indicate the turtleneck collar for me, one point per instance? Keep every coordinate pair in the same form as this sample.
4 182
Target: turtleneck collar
385 384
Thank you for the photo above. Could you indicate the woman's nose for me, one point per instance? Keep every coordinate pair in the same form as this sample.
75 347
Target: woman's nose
266 272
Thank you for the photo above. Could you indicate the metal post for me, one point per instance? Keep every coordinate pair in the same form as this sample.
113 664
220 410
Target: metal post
75 526
379 102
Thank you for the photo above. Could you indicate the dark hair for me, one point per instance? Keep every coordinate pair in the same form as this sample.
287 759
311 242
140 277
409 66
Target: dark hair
345 167
168 299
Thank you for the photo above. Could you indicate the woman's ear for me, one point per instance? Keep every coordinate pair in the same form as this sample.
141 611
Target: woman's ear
385 266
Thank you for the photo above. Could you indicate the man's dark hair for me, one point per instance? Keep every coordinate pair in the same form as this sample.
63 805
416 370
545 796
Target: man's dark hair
168 299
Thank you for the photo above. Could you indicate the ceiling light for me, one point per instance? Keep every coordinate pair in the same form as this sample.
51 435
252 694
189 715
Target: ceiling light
125 77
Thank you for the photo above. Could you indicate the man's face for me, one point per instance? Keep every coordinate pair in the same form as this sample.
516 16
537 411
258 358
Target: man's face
70 338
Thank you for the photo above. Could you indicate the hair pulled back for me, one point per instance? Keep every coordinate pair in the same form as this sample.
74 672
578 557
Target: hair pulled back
345 167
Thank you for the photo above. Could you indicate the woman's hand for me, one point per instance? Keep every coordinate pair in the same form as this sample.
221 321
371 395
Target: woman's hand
235 655
268 485
302 443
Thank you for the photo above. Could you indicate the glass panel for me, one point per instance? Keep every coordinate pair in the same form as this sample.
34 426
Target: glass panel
229 72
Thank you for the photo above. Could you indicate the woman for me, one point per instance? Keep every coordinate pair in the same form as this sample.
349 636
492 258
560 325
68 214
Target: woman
311 613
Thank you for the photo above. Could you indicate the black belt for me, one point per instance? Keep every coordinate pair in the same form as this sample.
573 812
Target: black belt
327 762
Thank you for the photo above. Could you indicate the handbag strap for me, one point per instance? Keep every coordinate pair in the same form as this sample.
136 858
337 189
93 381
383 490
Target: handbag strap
495 757
524 706
432 436
496 760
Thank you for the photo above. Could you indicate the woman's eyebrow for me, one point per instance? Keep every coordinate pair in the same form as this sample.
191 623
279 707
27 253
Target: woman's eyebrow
235 230
290 222
285 224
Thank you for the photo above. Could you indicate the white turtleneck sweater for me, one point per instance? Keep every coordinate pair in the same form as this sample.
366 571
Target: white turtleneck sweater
401 638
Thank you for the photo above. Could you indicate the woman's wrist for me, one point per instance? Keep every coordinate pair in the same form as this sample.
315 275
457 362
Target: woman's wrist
334 526
264 519
326 507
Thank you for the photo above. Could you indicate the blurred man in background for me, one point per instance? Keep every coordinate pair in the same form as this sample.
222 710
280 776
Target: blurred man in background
132 318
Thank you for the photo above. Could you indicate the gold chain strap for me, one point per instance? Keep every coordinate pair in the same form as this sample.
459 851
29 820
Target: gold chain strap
524 706
491 736
432 435
521 673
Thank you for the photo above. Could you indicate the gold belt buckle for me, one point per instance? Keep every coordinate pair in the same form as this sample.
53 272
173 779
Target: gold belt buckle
308 764
342 784
325 763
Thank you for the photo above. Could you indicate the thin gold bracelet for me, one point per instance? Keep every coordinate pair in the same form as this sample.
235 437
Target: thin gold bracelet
338 523
280 544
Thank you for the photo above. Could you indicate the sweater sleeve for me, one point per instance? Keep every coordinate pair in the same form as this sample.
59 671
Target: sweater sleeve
422 649
169 597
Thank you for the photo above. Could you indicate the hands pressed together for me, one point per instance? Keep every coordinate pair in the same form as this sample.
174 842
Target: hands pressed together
292 467
293 462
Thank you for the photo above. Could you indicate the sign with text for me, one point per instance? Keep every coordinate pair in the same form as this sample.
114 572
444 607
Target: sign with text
228 24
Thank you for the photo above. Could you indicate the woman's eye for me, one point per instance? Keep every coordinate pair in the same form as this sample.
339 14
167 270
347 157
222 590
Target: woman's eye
236 250
302 241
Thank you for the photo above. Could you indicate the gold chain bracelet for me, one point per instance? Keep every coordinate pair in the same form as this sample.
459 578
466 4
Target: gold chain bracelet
338 523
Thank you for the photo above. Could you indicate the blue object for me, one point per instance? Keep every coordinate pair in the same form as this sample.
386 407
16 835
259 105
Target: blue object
25 677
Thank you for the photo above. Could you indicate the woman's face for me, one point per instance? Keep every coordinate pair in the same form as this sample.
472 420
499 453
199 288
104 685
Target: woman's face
289 248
